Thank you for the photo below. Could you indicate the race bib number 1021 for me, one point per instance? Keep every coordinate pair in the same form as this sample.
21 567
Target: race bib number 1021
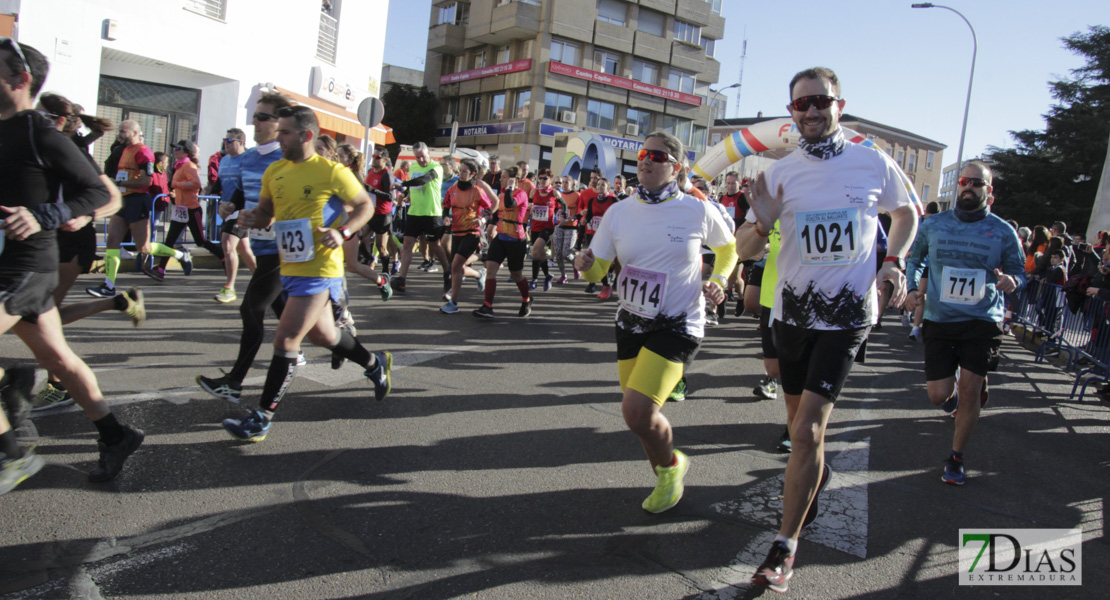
829 237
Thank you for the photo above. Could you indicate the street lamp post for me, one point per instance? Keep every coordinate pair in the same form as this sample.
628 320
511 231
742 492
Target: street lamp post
709 120
967 105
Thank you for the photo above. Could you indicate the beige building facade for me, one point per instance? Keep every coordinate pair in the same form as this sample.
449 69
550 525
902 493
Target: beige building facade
514 74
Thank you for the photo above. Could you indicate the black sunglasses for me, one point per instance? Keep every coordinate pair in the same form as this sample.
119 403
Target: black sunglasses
820 101
263 117
229 140
14 45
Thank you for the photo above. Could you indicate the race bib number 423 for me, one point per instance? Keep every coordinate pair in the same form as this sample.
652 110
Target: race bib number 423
295 242
641 291
829 237
962 286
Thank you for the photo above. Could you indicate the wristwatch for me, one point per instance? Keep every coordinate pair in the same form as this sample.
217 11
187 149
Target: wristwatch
346 233
896 259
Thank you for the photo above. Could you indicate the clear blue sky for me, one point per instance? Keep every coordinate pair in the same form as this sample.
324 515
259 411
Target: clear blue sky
903 67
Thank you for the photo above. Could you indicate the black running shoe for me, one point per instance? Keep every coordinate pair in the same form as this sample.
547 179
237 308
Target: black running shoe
525 308
112 457
398 284
776 570
784 444
484 311
811 515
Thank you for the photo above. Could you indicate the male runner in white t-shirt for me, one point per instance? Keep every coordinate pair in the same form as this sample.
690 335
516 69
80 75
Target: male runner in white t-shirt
827 196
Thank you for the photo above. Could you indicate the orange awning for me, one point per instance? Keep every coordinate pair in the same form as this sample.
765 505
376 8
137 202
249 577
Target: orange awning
338 119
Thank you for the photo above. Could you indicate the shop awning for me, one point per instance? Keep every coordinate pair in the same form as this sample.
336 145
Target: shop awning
338 119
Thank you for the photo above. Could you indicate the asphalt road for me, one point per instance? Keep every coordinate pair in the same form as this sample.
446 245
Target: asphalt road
500 467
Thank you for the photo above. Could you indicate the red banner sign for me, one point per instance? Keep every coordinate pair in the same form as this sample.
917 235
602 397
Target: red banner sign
623 83
501 69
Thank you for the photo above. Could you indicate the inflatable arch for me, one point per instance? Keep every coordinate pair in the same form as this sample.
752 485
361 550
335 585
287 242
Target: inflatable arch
776 134
585 151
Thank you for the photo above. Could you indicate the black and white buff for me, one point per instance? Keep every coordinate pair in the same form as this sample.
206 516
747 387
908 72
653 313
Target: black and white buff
826 148
669 191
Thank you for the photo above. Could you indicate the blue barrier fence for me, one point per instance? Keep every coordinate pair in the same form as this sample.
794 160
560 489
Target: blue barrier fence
160 219
1078 330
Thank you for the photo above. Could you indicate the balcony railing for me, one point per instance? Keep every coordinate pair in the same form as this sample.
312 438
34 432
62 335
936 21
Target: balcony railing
327 42
215 9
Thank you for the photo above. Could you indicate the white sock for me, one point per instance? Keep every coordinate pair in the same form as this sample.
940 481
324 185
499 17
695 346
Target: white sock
792 545
178 254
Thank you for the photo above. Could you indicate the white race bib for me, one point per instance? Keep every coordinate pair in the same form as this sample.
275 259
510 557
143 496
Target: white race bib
641 291
180 214
258 234
595 222
828 237
539 213
962 286
731 210
121 176
295 241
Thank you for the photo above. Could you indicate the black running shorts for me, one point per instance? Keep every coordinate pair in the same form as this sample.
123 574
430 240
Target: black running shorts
816 360
465 245
963 344
28 295
381 224
429 227
80 244
136 207
514 251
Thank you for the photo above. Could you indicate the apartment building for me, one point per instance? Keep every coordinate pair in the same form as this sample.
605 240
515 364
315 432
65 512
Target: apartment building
191 69
516 74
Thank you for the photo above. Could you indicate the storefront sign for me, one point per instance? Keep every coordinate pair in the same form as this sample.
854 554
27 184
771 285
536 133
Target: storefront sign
623 83
328 84
501 69
490 129
616 142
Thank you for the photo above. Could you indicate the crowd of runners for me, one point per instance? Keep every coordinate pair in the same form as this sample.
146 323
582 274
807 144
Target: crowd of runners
802 247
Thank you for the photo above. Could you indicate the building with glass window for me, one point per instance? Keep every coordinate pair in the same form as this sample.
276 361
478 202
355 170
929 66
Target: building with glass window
191 69
918 156
515 74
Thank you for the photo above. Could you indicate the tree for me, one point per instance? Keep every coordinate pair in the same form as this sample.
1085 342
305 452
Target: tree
1053 175
410 111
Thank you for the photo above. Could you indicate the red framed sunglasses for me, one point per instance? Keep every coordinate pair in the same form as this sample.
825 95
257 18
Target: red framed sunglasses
657 156
820 101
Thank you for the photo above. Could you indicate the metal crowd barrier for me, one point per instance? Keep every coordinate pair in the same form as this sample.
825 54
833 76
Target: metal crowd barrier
159 221
1081 335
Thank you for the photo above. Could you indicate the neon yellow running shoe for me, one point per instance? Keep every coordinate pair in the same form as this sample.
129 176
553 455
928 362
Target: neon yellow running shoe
669 488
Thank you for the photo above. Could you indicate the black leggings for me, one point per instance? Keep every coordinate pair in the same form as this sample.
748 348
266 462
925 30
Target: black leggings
263 290
196 229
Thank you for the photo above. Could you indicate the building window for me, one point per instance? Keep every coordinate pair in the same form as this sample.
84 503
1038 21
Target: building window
716 6
925 193
929 157
644 71
680 128
640 118
681 81
479 59
698 142
215 9
901 159
651 21
453 109
687 32
502 55
523 104
497 107
565 52
475 111
710 46
612 11
607 62
912 166
555 103
456 13
601 115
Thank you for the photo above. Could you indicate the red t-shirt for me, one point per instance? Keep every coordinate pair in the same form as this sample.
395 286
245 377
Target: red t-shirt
512 219
598 207
543 210
380 180
214 167
584 198
465 208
